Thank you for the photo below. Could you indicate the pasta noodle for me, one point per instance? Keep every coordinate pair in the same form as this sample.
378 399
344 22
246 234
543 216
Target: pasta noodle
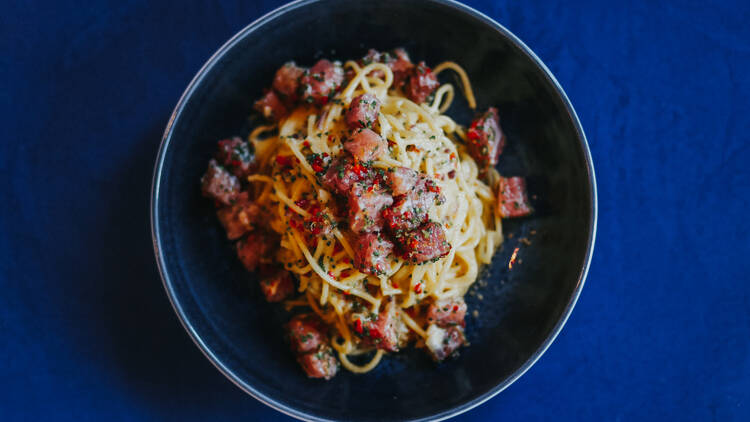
421 138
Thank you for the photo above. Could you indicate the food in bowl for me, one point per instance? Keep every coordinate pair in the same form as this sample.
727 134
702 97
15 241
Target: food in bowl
365 209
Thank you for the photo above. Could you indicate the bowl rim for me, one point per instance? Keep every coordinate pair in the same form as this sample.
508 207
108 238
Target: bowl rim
249 389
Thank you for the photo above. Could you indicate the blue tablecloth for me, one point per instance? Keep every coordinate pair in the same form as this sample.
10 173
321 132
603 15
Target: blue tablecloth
661 331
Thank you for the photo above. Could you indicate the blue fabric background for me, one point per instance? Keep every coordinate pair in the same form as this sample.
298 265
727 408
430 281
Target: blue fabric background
661 331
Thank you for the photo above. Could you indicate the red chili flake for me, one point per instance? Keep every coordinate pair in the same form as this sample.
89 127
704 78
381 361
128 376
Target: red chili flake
314 210
418 288
283 160
347 261
346 293
358 326
453 156
330 274
330 138
317 164
359 169
455 308
345 273
375 334
395 285
306 144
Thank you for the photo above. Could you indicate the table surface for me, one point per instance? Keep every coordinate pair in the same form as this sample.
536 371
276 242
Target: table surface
661 330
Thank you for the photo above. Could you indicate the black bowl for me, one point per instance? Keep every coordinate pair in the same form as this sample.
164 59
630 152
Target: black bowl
520 310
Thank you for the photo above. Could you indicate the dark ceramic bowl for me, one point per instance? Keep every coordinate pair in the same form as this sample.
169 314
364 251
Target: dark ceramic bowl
520 310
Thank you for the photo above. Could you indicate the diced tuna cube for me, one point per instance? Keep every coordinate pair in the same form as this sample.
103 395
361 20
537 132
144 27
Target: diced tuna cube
512 200
286 82
241 217
412 209
425 243
371 253
278 286
447 312
422 83
237 156
401 180
385 330
219 184
366 145
400 65
486 139
443 342
321 82
363 111
270 106
405 214
365 206
372 56
305 333
343 173
257 248
321 363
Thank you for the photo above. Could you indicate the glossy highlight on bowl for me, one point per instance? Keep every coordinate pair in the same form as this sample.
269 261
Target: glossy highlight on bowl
520 310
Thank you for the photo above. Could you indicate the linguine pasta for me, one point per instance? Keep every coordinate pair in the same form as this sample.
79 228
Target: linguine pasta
420 137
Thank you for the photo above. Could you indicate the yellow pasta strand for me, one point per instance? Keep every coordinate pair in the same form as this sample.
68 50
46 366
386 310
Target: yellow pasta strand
421 137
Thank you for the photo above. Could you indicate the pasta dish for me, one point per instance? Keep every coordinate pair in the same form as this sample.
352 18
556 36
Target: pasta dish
365 209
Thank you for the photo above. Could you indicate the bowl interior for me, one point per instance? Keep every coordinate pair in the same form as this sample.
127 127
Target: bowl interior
518 309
